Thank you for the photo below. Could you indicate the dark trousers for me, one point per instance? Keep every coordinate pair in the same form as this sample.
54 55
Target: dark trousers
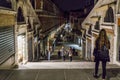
70 58
103 68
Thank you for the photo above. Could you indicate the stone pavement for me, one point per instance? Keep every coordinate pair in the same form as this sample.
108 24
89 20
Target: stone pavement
68 71
56 74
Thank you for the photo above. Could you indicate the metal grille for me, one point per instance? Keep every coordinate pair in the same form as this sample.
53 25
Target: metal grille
6 43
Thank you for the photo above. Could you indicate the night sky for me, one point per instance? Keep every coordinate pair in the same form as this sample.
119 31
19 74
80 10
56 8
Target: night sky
67 5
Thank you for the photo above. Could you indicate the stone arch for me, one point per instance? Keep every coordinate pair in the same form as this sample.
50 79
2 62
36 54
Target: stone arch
20 17
109 17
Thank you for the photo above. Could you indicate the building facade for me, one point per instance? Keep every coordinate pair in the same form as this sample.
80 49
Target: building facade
7 36
24 29
105 14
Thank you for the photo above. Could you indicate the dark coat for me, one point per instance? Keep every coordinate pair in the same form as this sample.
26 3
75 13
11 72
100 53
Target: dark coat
95 53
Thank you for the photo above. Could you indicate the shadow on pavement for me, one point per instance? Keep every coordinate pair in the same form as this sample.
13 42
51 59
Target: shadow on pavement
113 73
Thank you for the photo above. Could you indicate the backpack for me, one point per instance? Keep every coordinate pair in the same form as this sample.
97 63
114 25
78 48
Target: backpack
103 54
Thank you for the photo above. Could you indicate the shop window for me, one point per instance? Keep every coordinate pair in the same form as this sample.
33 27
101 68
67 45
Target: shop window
109 17
20 17
6 3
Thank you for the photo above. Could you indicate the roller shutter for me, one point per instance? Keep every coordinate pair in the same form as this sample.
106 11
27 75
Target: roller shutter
6 43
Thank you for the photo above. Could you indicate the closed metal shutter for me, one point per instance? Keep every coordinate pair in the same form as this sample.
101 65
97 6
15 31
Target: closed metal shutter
6 43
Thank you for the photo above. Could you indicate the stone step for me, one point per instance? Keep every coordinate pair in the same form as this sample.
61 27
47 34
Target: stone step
63 65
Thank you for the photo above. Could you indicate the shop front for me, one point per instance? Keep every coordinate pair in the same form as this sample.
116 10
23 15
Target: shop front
22 45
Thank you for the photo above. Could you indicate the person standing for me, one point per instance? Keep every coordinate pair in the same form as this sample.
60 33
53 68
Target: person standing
59 54
70 54
63 53
49 54
102 44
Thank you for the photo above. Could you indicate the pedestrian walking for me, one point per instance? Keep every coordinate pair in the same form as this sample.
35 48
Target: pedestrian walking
49 53
59 54
63 53
70 54
101 53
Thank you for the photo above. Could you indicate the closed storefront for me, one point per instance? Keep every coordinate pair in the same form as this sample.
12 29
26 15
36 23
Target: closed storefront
7 39
22 44
7 43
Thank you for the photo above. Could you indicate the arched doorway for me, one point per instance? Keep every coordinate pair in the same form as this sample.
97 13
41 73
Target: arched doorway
20 17
21 37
